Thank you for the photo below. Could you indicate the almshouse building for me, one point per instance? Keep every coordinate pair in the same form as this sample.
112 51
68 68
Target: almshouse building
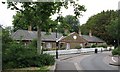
49 40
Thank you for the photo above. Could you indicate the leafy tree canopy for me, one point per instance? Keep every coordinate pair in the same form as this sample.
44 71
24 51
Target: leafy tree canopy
38 13
98 25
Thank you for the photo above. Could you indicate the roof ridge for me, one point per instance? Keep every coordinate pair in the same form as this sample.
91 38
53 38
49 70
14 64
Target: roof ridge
36 31
14 33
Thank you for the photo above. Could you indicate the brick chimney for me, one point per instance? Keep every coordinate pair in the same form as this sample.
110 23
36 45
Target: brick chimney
66 31
80 33
90 33
30 28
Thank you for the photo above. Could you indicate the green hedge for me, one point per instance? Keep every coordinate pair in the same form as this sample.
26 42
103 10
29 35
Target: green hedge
18 56
78 47
104 46
94 46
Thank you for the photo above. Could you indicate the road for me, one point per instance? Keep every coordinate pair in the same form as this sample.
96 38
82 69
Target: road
97 62
89 62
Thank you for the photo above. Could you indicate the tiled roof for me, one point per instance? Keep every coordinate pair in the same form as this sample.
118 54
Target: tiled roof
30 35
91 38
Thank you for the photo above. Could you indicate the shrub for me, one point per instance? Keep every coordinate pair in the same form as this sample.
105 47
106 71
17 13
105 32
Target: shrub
17 56
116 51
53 49
46 59
93 46
78 47
104 46
45 49
62 48
33 44
87 47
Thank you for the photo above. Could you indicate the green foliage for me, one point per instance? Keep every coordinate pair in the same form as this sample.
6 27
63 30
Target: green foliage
46 59
19 22
6 40
46 49
33 44
87 46
116 51
93 46
53 49
17 55
38 13
62 48
78 47
98 25
114 29
69 22
104 46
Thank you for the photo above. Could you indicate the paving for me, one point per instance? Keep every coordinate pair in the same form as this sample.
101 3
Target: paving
71 62
96 62
68 56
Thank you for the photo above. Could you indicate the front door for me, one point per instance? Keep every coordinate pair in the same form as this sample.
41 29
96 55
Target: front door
68 46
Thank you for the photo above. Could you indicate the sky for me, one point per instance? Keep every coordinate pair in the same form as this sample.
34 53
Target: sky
93 7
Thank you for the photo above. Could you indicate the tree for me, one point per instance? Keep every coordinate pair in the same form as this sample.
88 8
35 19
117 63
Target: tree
69 23
73 23
98 25
19 22
39 12
113 30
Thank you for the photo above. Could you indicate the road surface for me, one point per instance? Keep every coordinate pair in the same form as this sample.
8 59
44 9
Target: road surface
97 62
90 62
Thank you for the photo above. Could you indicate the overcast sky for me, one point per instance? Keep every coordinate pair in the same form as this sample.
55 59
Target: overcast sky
93 7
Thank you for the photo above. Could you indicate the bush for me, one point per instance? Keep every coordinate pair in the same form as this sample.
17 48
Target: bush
45 49
46 59
87 47
93 46
62 48
53 49
33 44
17 56
78 47
104 46
116 51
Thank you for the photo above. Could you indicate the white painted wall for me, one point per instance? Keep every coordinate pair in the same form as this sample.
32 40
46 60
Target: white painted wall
72 51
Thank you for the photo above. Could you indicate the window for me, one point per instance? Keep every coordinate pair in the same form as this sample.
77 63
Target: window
49 45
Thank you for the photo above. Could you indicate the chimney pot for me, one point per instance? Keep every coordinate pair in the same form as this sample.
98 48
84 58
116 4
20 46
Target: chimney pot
90 33
80 33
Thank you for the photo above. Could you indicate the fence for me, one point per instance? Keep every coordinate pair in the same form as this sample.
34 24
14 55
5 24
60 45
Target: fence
73 51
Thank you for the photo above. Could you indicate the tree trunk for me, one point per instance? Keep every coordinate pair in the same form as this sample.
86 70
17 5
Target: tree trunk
39 49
